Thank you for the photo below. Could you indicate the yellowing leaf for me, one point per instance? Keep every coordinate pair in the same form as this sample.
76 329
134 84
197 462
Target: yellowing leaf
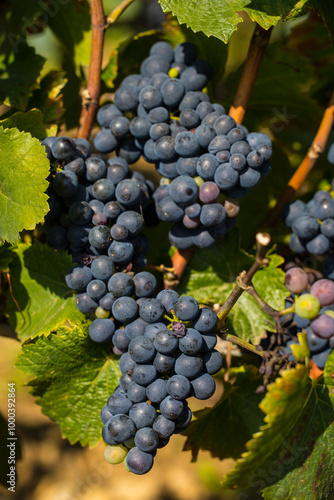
23 172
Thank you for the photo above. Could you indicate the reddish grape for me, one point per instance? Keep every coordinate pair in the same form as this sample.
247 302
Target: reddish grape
209 192
324 291
296 280
99 219
190 223
323 326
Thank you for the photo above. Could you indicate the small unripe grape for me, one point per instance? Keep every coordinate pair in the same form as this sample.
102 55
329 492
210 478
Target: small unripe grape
296 280
173 73
101 313
307 306
199 180
115 454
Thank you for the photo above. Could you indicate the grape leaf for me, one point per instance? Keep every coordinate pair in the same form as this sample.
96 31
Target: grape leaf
32 121
6 257
24 169
215 276
326 10
237 408
219 18
38 280
73 378
48 98
19 76
292 455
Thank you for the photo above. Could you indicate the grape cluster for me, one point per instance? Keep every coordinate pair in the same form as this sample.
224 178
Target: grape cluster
95 205
168 345
312 224
206 160
313 312
96 211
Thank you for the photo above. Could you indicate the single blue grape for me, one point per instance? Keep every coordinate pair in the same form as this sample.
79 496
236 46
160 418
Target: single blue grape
121 428
164 363
189 366
78 277
223 124
125 309
136 393
186 144
139 462
163 426
121 251
203 387
141 349
85 303
178 387
151 310
96 289
143 415
157 391
119 403
213 361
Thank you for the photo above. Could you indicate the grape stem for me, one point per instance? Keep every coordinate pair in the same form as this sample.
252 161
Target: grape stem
258 44
241 343
91 94
245 278
118 11
317 148
257 48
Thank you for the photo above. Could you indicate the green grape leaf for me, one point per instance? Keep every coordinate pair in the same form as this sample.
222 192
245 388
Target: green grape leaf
326 10
19 76
291 457
38 281
214 278
301 350
219 18
71 25
238 408
32 121
20 66
49 98
6 257
73 378
24 169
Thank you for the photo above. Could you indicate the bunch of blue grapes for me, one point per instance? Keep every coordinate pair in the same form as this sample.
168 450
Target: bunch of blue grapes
313 312
168 355
96 205
206 160
312 224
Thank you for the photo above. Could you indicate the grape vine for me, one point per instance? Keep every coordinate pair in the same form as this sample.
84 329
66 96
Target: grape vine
153 248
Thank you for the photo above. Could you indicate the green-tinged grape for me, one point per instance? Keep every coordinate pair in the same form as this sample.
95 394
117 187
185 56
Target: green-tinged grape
330 313
126 465
199 180
101 313
130 443
307 306
115 454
